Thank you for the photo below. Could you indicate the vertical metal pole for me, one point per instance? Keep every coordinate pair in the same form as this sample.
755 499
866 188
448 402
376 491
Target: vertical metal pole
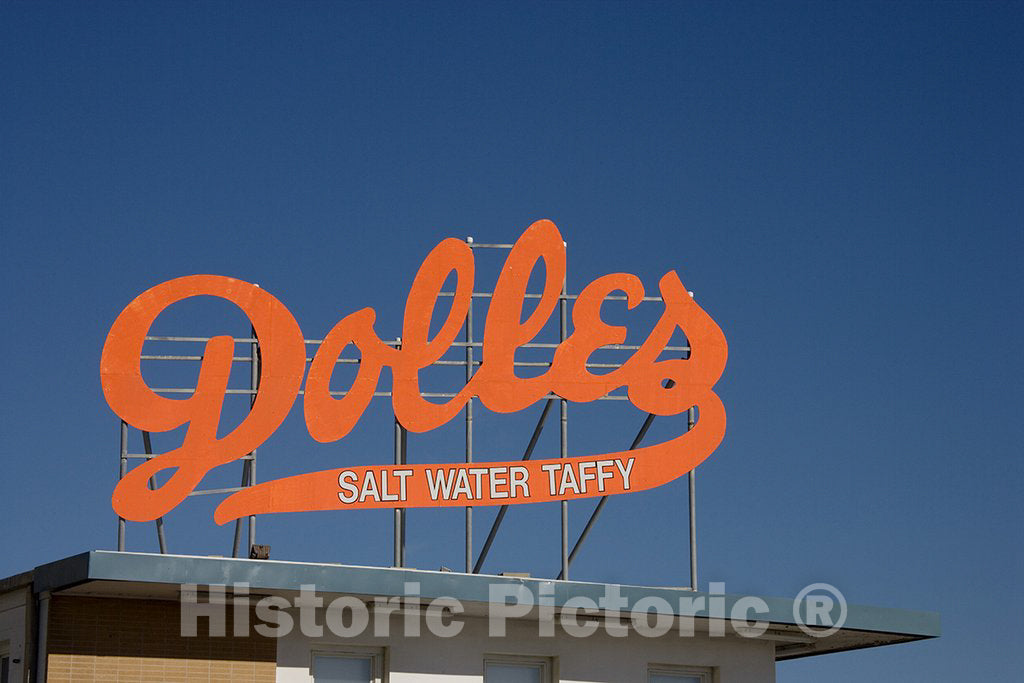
564 406
691 415
254 385
124 470
160 538
397 533
693 510
249 465
404 442
238 522
469 422
147 446
398 511
693 532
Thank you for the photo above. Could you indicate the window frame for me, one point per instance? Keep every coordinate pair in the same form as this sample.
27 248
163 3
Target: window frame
376 655
546 664
5 655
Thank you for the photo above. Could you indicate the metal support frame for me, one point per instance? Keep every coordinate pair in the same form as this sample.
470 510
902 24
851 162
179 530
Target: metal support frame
401 434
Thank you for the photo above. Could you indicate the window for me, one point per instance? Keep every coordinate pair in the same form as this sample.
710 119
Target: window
348 666
676 674
672 678
5 664
514 669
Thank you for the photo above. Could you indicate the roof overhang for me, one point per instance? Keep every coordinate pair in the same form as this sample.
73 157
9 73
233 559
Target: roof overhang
147 575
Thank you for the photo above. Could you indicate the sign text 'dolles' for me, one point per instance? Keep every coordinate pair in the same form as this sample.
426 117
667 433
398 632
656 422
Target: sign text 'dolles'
328 418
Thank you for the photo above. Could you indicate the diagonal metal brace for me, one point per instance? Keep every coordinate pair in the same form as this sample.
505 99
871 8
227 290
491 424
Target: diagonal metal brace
504 508
148 445
604 499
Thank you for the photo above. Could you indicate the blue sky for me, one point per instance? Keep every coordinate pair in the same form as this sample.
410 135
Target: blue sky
840 184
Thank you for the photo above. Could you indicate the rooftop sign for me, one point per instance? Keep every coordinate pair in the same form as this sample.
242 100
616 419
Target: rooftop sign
660 387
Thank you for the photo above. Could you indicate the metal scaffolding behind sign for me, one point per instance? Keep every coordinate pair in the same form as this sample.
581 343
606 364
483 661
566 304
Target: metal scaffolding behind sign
468 360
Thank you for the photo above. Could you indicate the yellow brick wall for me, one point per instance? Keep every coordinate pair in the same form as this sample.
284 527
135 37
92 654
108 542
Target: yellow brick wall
109 639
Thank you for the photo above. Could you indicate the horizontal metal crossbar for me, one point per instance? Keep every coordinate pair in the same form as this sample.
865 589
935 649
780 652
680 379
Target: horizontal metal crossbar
376 394
236 359
569 297
237 340
357 361
250 340
528 345
149 456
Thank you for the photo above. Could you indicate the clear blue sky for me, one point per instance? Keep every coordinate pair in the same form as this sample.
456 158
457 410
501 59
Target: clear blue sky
841 184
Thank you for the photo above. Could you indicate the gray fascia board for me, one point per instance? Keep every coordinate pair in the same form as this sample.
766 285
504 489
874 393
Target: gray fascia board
386 581
62 573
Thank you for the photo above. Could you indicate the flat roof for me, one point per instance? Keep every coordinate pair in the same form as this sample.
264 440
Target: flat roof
102 572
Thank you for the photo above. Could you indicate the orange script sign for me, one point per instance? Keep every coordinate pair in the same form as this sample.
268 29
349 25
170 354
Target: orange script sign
283 356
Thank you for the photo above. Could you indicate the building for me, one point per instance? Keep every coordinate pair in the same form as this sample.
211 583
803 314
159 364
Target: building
117 616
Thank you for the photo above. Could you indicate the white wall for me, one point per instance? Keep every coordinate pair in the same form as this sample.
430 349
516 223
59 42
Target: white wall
599 658
13 613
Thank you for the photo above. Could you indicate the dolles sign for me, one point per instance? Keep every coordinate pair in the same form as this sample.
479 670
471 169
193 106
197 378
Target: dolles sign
494 383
